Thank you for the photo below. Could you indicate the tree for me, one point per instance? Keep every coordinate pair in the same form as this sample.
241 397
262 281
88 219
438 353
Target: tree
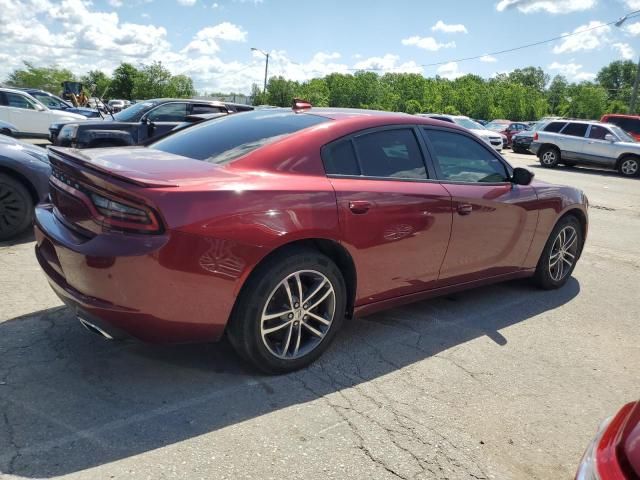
533 77
97 83
152 81
45 78
314 91
587 100
180 86
617 78
281 91
413 107
123 81
557 94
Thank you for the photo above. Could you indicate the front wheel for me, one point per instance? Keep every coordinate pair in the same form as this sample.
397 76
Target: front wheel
560 254
289 311
629 167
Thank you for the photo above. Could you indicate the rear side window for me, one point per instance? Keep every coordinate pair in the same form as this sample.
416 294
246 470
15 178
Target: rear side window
340 159
554 127
575 129
224 139
197 109
390 154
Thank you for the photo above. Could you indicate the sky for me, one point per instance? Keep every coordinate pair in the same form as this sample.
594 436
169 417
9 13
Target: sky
211 40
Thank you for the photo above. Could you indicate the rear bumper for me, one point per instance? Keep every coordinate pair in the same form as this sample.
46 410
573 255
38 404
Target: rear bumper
134 285
534 147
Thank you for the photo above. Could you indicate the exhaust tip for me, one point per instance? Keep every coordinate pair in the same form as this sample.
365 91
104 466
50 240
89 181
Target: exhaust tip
94 328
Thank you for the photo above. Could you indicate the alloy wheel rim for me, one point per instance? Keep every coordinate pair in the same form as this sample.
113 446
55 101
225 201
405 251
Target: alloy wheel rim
298 314
629 167
12 209
548 158
563 253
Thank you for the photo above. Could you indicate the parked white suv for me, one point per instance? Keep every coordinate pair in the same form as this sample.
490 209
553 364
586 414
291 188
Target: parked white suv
492 138
29 116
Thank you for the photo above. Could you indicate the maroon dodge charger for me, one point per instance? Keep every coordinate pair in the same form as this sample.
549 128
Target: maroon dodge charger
272 226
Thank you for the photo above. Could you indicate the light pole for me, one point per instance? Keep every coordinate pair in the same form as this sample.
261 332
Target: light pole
634 92
266 67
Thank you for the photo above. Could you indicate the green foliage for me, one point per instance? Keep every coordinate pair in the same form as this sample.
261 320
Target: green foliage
96 83
123 81
413 107
46 78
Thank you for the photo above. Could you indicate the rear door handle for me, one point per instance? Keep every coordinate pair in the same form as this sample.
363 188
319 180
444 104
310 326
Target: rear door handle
465 209
359 207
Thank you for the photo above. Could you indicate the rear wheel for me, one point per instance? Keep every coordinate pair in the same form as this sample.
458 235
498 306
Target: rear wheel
16 207
629 166
289 311
560 254
549 156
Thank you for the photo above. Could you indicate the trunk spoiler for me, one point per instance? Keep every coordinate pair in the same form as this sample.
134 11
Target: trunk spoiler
65 156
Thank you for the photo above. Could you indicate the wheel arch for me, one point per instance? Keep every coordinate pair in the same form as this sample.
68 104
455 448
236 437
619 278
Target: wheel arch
622 156
332 249
23 180
546 145
582 220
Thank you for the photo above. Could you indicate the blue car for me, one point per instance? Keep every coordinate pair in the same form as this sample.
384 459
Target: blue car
56 103
24 181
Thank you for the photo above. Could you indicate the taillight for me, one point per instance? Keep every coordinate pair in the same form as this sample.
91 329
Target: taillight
108 210
535 136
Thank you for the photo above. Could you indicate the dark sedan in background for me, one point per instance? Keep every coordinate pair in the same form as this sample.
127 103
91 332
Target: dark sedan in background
520 142
56 103
24 181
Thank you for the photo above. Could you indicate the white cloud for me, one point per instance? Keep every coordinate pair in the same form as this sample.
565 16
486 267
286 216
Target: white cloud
594 35
115 3
488 59
449 70
388 62
624 50
215 5
633 28
572 71
187 3
206 40
549 6
427 43
633 4
440 26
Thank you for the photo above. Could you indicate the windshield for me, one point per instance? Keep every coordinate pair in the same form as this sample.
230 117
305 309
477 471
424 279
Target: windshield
496 126
537 126
50 101
226 138
135 112
622 135
468 123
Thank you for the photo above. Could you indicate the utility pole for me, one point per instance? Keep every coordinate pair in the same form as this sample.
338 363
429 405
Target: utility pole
266 67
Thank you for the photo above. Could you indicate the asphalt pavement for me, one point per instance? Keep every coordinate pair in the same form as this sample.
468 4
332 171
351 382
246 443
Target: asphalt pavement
504 382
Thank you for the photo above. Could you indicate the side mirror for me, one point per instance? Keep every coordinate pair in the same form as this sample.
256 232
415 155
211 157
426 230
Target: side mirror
521 176
609 138
40 108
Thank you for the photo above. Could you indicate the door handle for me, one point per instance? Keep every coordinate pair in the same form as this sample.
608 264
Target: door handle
359 207
465 209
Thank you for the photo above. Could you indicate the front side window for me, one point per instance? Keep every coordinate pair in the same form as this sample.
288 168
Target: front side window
19 101
555 127
459 158
597 132
575 129
168 112
390 154
134 113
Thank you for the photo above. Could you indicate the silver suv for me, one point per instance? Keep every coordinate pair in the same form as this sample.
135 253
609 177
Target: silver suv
573 142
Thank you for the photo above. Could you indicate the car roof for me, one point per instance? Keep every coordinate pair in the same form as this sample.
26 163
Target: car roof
343 113
13 90
621 115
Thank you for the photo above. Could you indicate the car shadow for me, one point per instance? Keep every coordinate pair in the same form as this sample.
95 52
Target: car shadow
25 237
70 400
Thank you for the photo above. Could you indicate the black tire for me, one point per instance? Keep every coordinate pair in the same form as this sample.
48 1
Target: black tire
516 150
262 288
16 207
549 156
546 276
629 166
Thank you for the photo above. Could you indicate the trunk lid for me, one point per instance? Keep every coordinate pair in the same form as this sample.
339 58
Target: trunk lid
140 166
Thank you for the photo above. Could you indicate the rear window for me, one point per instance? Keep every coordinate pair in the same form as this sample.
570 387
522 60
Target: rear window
554 127
575 129
227 138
